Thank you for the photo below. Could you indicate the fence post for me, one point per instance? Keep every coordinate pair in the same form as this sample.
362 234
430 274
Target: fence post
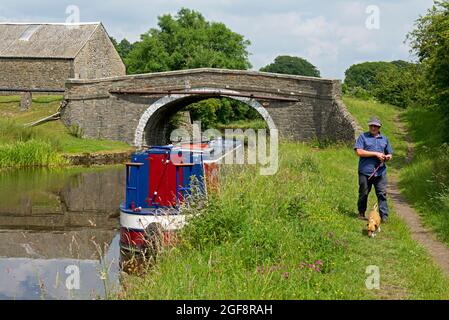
25 100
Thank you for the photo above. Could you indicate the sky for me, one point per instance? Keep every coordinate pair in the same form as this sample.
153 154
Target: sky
332 35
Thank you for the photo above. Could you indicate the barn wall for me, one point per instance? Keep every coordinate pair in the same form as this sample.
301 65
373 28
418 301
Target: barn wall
34 73
98 58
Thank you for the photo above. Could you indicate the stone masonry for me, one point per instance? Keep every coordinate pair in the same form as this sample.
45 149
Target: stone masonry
98 58
35 73
53 54
141 118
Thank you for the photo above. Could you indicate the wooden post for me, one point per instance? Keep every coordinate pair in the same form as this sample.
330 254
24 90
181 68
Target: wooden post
25 100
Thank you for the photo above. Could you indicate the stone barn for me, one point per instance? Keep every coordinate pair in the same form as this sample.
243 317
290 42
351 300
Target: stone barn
39 57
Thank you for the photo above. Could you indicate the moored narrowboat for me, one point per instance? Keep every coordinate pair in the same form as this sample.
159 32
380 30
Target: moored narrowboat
159 180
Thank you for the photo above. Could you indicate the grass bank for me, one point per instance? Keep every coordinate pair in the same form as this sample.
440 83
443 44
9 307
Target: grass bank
425 182
293 236
42 145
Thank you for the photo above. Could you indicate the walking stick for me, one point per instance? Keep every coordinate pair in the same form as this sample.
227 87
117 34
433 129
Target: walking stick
375 170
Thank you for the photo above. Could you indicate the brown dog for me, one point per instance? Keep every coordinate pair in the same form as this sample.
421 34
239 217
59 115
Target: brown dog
373 222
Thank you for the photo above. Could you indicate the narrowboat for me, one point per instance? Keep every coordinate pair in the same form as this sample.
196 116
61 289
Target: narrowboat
159 179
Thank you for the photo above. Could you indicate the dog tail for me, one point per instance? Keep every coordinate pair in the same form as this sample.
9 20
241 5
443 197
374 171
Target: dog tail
376 206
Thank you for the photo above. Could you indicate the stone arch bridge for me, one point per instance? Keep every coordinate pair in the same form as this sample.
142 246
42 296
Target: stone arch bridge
135 108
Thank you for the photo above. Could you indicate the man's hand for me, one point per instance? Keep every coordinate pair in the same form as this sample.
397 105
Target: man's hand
388 157
380 156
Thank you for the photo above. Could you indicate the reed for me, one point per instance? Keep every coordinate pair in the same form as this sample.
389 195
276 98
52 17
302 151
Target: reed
30 153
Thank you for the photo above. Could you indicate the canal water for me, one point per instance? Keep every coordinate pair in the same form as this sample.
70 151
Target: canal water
59 232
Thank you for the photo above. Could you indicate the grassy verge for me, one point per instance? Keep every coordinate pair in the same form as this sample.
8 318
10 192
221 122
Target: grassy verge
44 144
425 182
294 235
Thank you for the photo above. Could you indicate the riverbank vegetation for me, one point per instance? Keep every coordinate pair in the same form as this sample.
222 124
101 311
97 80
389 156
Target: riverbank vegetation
294 235
46 144
290 236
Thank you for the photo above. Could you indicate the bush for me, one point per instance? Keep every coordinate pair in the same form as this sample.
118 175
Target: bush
76 131
359 93
399 86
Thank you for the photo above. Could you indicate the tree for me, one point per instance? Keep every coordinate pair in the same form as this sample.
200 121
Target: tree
396 82
292 65
220 111
430 42
124 48
365 75
399 86
188 41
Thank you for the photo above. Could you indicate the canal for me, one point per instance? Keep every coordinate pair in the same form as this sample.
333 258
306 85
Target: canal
59 232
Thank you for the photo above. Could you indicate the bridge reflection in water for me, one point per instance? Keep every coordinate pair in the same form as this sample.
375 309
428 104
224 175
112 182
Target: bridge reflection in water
54 219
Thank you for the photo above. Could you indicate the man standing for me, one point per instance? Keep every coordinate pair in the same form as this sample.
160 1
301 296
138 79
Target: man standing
374 150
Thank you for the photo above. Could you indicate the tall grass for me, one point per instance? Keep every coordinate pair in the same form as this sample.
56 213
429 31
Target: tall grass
21 147
31 153
425 182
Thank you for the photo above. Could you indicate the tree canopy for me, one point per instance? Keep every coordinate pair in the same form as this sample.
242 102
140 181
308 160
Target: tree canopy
394 82
292 65
430 42
364 75
186 41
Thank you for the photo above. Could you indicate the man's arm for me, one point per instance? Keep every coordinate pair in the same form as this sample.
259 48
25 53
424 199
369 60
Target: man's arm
388 151
370 154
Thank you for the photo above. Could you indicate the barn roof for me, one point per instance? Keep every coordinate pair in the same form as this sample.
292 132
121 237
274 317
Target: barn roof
44 40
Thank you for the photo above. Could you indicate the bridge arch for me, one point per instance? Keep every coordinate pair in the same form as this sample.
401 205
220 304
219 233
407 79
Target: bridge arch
153 112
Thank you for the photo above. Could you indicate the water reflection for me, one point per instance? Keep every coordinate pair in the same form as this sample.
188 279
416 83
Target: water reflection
51 219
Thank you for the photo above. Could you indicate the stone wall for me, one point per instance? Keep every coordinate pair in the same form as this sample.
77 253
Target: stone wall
98 58
34 73
318 113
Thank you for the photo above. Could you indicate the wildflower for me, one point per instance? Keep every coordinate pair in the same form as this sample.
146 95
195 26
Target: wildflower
260 269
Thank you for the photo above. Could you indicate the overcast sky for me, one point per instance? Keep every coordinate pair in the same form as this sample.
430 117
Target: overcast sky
331 34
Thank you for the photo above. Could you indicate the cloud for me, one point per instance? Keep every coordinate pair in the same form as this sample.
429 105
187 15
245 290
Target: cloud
332 35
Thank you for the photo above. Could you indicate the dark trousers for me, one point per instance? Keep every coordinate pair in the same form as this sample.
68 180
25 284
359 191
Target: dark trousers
380 186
